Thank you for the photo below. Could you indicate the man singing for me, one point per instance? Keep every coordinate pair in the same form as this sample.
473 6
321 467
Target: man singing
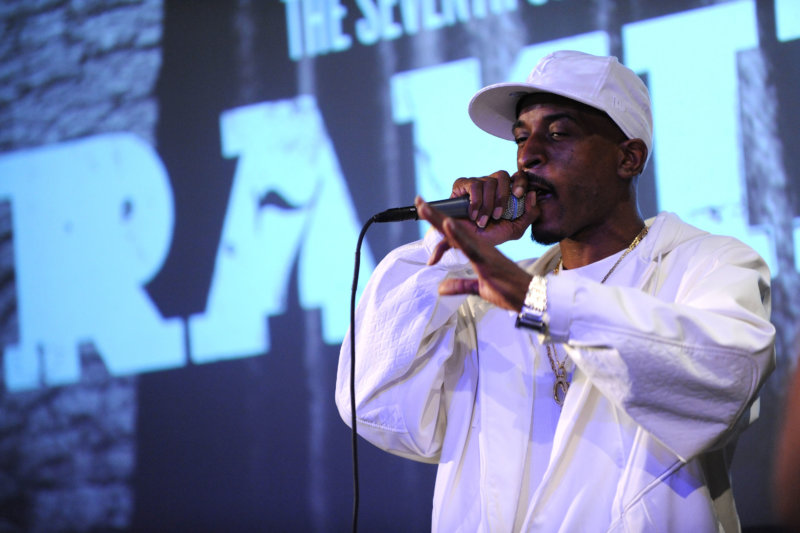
600 387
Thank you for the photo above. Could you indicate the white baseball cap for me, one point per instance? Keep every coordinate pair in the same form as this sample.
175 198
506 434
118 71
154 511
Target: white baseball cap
601 82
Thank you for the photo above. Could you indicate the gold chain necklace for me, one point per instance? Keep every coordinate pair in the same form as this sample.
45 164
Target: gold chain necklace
561 386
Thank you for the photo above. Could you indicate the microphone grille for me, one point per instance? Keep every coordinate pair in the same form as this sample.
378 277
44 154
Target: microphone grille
515 208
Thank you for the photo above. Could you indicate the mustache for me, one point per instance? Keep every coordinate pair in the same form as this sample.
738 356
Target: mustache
538 184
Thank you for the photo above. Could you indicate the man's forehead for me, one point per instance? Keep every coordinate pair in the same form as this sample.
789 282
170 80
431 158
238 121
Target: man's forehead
556 107
555 101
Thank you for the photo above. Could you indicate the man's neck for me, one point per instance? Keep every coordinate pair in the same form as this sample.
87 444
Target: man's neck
586 249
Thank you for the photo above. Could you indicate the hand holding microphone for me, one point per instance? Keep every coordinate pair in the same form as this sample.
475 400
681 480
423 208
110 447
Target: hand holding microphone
452 207
472 198
492 218
498 279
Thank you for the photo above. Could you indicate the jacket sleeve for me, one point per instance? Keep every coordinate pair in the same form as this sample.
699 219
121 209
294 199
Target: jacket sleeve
687 365
405 347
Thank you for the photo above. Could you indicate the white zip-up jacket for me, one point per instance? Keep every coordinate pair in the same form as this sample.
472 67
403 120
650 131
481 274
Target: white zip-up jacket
665 373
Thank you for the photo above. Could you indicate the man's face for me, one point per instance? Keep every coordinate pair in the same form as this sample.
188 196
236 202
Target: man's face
570 153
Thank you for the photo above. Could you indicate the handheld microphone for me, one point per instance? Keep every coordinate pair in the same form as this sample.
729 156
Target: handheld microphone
452 207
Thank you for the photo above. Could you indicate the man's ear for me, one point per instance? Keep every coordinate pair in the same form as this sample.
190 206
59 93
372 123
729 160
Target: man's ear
632 157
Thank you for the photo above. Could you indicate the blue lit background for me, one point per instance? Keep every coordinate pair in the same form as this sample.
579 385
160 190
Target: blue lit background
181 190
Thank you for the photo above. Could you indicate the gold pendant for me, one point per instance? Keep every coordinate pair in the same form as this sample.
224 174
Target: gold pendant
561 385
560 388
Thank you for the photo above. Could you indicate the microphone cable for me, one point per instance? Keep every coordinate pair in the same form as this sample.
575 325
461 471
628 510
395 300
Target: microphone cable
354 432
453 207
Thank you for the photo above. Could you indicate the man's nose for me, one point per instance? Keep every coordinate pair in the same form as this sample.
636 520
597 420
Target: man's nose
530 155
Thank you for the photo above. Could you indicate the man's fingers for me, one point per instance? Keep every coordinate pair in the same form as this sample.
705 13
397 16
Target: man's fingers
453 286
501 192
463 240
520 185
438 252
436 219
486 196
426 212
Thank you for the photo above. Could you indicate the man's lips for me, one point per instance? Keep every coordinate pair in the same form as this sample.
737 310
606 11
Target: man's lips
542 192
541 187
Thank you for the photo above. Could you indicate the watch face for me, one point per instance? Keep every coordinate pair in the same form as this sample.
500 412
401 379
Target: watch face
530 318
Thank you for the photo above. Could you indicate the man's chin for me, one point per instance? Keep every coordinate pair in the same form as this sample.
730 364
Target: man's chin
544 237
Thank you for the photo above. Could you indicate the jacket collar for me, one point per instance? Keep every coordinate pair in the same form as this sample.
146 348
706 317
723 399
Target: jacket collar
666 232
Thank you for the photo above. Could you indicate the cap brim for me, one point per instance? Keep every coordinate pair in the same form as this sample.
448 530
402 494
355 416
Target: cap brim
494 108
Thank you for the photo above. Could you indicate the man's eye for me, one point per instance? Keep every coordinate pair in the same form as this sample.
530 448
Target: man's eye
520 140
557 134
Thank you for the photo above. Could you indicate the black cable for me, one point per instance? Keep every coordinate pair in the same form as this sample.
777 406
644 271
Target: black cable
354 433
